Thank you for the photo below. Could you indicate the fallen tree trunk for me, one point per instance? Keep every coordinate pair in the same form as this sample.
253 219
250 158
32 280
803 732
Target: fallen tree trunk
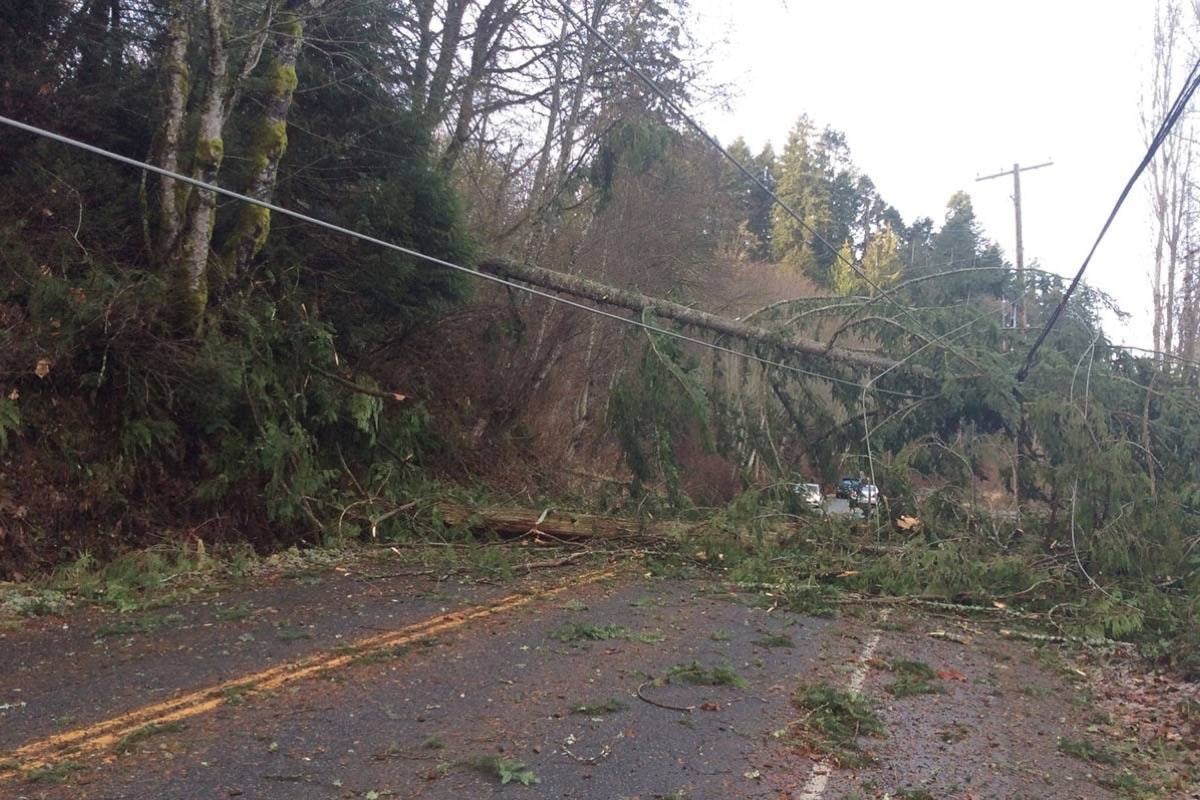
603 294
513 521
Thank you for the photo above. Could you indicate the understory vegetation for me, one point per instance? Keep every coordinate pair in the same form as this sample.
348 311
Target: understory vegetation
189 383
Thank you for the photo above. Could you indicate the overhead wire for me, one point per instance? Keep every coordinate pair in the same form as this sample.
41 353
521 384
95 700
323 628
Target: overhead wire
1172 116
866 423
318 222
674 106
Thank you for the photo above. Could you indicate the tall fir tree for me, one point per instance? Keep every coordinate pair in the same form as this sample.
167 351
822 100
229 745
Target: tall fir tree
803 187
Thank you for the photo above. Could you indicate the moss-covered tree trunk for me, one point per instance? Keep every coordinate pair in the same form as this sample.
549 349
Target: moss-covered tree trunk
780 344
190 254
176 86
253 225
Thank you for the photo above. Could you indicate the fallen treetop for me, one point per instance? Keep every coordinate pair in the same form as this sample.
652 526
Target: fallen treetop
603 294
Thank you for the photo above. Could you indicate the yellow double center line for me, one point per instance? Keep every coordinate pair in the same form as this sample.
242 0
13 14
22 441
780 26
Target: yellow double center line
100 737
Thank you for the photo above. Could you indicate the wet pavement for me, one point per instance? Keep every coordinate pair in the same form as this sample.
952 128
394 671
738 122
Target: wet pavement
447 709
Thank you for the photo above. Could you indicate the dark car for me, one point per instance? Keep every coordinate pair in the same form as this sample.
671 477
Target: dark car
847 487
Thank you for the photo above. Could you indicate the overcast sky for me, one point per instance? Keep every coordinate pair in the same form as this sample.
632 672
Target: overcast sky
933 93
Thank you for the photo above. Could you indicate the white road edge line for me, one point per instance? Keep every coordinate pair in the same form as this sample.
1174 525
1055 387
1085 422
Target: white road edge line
822 770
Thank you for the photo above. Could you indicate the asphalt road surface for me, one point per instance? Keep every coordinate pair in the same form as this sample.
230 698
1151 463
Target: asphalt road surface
367 686
834 505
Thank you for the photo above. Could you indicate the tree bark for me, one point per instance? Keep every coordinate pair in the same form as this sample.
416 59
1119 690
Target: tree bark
439 84
192 252
420 74
602 294
253 224
493 23
176 88
509 521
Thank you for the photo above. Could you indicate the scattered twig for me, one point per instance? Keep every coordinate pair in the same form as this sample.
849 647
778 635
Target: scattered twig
667 706
604 753
950 637
397 397
404 573
556 562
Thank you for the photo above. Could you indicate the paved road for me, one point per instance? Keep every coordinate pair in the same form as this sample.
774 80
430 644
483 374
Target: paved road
835 506
406 687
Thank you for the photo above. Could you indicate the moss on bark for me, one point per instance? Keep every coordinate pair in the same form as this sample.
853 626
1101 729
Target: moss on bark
210 152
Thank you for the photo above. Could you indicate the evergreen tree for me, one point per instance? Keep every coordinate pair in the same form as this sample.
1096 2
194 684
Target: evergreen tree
881 258
959 245
844 280
749 229
803 186
761 204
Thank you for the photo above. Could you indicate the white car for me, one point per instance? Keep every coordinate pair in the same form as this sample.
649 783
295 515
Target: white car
865 495
811 492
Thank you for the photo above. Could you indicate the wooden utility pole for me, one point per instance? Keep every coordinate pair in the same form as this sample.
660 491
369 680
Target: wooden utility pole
1019 319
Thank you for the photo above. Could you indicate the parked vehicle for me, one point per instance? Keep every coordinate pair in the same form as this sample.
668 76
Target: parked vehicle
809 493
846 487
867 494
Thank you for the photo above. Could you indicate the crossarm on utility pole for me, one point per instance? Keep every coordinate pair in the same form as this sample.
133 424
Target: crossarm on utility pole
1019 319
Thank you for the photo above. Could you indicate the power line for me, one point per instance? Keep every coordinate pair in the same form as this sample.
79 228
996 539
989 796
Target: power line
870 383
775 198
1172 116
287 212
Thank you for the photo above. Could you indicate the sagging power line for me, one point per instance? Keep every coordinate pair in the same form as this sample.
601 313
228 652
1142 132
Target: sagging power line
1172 117
775 340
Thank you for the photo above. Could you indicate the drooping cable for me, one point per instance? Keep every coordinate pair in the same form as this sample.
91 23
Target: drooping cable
1173 115
316 221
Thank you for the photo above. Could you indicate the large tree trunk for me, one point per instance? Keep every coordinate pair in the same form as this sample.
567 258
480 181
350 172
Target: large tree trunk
176 87
490 28
570 123
551 522
190 259
437 97
584 289
253 224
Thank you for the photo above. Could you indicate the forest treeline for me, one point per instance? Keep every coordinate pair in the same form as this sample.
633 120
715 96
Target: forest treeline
178 364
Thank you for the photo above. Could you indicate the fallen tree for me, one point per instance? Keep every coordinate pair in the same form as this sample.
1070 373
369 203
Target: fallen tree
554 523
602 294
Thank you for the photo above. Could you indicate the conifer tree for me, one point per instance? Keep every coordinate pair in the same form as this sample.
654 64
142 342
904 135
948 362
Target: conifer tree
803 187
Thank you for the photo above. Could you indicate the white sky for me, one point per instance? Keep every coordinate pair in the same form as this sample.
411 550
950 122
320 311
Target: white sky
932 93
